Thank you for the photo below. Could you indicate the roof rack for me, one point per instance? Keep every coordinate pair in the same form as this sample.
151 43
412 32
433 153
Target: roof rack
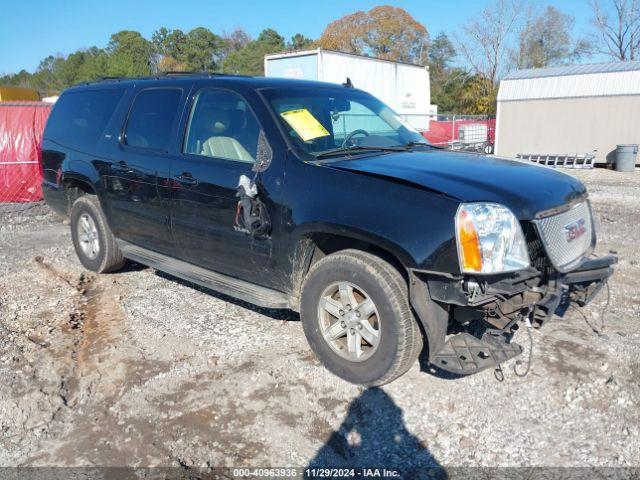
161 75
191 72
104 79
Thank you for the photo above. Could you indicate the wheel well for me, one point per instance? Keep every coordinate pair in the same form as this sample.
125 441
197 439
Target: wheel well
318 245
74 189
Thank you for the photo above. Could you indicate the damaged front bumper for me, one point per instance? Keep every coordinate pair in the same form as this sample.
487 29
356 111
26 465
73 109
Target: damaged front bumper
485 313
578 286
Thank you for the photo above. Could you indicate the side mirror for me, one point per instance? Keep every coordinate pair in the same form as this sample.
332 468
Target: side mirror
264 154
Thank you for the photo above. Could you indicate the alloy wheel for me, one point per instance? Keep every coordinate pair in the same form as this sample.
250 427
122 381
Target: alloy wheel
349 321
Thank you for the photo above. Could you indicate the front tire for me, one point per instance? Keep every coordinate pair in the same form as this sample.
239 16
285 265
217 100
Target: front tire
94 243
357 318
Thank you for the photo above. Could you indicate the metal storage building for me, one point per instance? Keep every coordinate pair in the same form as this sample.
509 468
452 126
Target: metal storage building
404 87
569 110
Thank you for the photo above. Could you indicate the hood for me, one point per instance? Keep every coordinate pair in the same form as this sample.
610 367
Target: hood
525 188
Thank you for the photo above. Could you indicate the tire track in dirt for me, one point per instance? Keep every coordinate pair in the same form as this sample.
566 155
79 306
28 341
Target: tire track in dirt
94 325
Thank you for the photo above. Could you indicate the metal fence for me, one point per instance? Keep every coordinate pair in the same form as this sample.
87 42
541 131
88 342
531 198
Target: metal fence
21 128
463 132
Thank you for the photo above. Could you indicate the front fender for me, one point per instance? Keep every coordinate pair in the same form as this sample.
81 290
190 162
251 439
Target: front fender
312 229
415 225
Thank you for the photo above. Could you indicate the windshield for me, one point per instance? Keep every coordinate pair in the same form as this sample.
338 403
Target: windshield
325 121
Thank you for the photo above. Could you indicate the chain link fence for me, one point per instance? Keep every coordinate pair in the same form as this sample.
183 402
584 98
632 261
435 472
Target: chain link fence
21 129
474 133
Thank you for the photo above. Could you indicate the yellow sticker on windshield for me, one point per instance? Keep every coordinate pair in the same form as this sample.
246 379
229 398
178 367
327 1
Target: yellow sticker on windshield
305 124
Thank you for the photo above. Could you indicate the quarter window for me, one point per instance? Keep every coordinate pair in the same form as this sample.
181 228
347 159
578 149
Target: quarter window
222 126
79 118
151 119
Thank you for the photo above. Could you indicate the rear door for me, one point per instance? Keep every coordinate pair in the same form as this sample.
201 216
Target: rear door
220 145
137 180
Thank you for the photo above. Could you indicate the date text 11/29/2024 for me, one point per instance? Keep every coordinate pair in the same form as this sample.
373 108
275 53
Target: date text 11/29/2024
323 472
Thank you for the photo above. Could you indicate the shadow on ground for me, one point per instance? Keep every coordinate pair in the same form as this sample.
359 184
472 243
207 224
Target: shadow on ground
276 314
374 435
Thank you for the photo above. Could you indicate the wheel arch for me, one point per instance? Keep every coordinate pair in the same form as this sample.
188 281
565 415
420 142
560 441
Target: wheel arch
315 243
75 185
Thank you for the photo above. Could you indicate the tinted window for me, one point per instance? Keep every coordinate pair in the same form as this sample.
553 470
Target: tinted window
151 118
78 119
222 126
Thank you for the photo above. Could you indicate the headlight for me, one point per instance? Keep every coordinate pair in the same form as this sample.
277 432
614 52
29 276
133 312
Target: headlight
490 239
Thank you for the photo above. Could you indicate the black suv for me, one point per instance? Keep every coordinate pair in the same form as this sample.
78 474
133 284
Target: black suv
319 198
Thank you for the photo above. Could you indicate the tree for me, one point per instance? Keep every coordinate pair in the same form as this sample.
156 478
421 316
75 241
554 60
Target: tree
620 31
384 32
300 42
198 50
130 54
447 90
487 38
170 64
478 96
441 52
201 50
46 75
546 40
95 65
234 41
445 81
174 44
160 40
249 60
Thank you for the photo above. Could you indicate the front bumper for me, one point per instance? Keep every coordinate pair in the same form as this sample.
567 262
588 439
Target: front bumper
476 337
578 286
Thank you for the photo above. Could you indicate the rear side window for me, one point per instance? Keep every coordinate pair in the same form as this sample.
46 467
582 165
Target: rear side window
151 118
79 119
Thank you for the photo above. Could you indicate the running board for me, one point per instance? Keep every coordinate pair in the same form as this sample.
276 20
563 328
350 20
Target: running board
248 292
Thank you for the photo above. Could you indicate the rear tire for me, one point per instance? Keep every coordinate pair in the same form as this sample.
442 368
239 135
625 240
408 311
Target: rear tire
339 339
94 243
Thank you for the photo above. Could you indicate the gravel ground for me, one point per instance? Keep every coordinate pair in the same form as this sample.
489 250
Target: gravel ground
140 369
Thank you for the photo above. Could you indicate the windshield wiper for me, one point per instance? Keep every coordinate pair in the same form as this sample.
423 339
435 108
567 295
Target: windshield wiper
358 148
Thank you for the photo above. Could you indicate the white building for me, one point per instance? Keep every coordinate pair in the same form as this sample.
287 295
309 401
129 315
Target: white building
569 110
402 86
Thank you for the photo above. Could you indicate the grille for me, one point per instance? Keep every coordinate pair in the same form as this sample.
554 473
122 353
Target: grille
567 236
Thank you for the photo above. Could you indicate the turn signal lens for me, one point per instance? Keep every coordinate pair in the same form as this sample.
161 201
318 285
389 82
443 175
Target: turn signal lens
469 244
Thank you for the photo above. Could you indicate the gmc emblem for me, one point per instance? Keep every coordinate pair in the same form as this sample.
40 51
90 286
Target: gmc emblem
575 230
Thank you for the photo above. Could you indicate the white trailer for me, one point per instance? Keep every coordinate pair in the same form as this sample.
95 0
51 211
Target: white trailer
402 86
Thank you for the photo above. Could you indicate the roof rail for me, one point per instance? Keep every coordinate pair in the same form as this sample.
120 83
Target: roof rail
178 72
161 75
103 79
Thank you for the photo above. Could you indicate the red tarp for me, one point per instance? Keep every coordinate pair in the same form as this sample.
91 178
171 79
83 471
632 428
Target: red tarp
443 132
21 128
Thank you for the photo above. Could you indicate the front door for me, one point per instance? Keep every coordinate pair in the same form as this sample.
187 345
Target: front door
136 180
220 145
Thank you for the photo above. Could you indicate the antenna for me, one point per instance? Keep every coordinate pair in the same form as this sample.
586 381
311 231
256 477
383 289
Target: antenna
348 83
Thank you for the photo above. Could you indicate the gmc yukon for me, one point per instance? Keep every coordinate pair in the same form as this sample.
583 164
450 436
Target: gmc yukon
319 198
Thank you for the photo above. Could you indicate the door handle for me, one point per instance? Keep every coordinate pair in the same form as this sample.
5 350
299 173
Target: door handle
121 167
186 179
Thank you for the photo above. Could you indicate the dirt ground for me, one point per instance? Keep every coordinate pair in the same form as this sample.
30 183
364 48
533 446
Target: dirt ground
140 369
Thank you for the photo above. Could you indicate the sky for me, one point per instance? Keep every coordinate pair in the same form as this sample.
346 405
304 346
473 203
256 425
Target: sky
30 30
